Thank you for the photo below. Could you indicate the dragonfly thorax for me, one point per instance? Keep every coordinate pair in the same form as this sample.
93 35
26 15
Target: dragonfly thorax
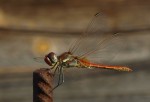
68 60
51 58
65 57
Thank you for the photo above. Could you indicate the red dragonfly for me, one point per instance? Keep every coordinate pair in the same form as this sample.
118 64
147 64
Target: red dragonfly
92 44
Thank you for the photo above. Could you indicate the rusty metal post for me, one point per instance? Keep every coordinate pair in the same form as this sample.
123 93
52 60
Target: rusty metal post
42 85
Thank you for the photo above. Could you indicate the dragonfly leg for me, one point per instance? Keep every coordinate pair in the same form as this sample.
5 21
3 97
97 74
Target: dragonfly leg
55 65
57 68
60 77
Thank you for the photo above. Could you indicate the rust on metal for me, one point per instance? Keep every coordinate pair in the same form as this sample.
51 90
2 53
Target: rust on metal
42 85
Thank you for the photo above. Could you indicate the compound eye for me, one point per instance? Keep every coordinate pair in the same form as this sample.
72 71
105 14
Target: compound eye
53 58
48 61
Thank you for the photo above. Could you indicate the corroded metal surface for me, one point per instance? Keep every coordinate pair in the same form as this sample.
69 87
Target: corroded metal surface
42 85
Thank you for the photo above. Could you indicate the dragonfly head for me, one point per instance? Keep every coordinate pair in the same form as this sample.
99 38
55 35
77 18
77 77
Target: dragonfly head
51 58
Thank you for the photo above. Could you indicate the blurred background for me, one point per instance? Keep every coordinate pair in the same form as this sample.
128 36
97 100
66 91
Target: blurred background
31 28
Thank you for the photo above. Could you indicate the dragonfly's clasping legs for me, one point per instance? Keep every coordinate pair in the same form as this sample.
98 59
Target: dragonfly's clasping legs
60 77
55 67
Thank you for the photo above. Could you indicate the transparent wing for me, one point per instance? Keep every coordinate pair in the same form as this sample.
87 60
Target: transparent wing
97 43
39 60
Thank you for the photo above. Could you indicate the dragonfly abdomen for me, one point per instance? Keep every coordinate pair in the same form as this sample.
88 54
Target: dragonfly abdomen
119 68
88 64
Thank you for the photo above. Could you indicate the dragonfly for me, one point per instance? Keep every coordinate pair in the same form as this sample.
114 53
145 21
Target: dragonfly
86 49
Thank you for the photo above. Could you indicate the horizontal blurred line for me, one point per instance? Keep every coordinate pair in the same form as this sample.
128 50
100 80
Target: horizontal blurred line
38 32
15 70
48 32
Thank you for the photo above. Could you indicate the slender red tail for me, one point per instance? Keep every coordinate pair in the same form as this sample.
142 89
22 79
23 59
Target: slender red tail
119 68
